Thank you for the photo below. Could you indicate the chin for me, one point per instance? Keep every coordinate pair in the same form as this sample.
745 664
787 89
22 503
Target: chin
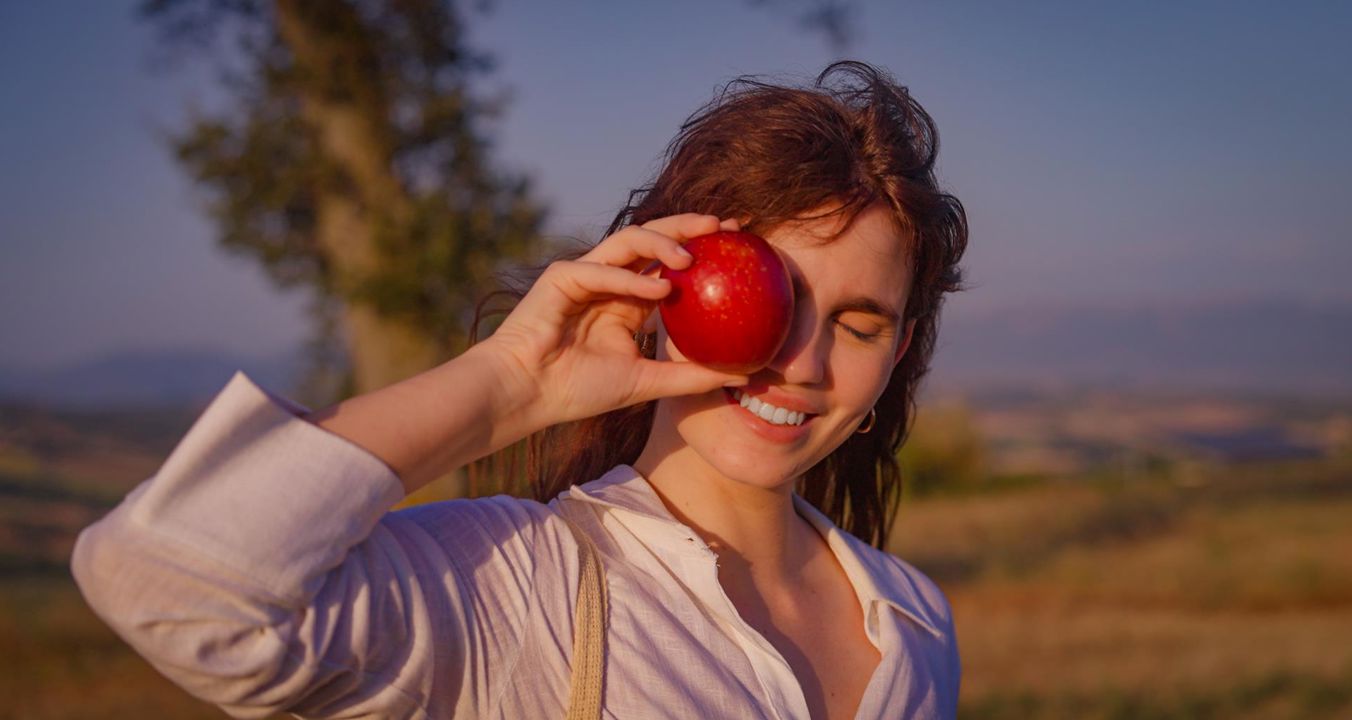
748 469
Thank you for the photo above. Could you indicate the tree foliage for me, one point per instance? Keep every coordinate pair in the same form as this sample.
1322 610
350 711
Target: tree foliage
353 160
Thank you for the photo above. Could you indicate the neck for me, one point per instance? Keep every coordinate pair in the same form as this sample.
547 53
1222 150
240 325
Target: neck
756 532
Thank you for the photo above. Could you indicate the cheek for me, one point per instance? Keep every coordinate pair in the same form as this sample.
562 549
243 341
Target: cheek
862 375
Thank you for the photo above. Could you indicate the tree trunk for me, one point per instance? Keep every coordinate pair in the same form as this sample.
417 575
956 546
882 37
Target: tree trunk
345 105
384 351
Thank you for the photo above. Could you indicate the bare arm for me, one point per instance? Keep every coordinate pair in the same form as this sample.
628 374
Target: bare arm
566 352
436 421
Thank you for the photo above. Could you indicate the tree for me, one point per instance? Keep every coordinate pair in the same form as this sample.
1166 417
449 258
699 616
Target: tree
353 161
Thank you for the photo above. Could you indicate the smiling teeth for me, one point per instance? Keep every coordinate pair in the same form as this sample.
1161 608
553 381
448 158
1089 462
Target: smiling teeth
769 413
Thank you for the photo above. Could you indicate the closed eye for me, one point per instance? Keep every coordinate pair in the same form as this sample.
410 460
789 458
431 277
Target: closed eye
860 334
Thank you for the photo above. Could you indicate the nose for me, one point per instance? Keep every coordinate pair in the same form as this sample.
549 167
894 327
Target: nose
802 359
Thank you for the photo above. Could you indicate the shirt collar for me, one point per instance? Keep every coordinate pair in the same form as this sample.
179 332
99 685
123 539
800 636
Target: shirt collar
876 576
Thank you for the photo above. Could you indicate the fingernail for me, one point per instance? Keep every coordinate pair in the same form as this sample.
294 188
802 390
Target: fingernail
684 252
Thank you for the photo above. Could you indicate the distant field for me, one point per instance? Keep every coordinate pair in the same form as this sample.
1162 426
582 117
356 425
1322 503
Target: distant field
1226 596
1205 591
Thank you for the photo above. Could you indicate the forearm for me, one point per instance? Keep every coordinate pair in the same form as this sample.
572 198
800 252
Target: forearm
438 420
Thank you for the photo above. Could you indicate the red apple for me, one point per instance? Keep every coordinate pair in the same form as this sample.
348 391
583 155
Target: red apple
732 308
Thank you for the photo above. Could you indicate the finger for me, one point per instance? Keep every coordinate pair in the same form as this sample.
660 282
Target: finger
684 226
578 284
732 224
665 378
639 245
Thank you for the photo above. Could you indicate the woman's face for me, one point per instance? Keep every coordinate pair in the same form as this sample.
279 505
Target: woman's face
846 338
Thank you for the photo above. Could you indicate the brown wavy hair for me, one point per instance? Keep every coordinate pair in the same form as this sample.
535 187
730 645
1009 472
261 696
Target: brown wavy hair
774 153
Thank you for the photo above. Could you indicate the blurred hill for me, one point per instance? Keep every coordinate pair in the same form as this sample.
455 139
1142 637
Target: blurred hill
1259 345
1254 346
150 378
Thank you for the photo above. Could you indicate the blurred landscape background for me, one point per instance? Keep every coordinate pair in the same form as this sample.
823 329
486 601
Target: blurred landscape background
1132 467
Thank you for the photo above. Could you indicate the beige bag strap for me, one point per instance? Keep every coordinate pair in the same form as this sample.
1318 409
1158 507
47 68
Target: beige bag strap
589 631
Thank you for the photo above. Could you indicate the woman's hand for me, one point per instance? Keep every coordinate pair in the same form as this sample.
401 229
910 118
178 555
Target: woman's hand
569 345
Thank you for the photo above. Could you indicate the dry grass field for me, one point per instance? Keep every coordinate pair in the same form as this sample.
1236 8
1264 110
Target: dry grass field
1228 595
1201 591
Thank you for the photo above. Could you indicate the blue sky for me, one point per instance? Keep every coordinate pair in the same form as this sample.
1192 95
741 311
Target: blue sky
1130 154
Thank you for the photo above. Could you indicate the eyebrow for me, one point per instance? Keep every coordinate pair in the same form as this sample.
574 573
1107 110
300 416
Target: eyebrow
871 306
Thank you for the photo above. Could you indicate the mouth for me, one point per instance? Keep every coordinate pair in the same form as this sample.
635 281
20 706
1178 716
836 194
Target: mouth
769 414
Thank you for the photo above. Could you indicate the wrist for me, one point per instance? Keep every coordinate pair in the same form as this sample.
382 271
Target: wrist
512 391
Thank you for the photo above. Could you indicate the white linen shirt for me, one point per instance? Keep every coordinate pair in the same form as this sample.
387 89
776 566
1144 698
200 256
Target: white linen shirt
260 569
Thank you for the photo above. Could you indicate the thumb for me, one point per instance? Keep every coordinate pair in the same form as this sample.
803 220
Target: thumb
665 378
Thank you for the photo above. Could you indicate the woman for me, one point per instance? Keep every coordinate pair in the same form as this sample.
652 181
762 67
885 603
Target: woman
259 568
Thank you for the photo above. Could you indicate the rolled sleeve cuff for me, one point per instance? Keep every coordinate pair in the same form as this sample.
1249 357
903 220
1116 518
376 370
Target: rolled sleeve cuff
255 487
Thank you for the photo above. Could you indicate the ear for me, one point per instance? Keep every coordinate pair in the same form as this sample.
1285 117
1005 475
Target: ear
905 342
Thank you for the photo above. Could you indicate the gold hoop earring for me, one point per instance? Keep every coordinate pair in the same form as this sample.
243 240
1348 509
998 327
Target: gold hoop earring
868 424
